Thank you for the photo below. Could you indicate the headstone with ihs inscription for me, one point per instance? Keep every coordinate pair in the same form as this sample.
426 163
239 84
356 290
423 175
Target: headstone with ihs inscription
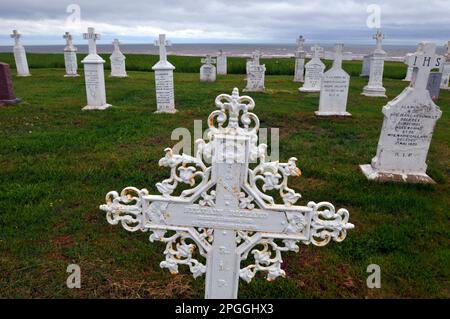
216 210
334 90
7 96
300 56
20 55
94 75
70 57
446 68
221 63
117 60
408 126
208 70
375 86
313 72
165 97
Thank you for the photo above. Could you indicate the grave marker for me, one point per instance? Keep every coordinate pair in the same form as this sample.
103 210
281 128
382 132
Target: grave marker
221 63
446 68
208 70
313 72
117 59
70 57
434 85
20 55
375 86
366 65
7 96
255 74
300 56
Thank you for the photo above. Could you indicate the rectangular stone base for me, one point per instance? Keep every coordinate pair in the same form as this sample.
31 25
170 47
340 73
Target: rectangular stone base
167 111
96 107
23 75
10 102
374 92
305 90
332 114
254 90
71 75
384 176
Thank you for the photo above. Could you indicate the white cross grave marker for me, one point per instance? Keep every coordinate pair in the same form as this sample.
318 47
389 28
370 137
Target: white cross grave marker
70 57
208 70
226 213
313 71
375 86
20 55
162 43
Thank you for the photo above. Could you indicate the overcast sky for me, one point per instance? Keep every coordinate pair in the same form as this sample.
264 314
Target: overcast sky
235 21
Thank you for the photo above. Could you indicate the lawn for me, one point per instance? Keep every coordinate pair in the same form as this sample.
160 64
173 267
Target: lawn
57 163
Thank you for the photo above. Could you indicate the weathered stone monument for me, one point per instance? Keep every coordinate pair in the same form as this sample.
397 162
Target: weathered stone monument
255 74
408 126
208 70
20 55
117 59
313 71
70 57
224 215
334 90
94 75
7 96
222 63
365 71
300 56
375 86
165 98
434 85
446 68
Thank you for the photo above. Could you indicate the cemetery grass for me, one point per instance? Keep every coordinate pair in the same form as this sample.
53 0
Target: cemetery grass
57 163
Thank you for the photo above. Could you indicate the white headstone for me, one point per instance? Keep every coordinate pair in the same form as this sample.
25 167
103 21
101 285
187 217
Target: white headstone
70 57
255 74
300 56
117 59
165 98
20 55
375 86
208 70
94 75
334 90
222 215
446 69
222 63
408 126
409 70
434 85
313 72
366 65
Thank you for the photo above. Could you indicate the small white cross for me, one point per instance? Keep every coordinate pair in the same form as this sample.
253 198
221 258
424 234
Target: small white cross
317 50
68 37
379 37
91 36
423 61
338 51
16 36
208 60
162 43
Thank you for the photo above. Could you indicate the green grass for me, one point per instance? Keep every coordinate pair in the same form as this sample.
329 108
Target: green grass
57 163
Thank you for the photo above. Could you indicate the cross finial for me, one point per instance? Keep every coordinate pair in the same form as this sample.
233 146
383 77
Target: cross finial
300 43
208 60
423 61
256 56
317 50
338 51
162 43
91 36
116 44
68 37
379 36
16 36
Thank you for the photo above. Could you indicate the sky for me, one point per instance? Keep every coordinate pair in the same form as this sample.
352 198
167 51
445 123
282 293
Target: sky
227 21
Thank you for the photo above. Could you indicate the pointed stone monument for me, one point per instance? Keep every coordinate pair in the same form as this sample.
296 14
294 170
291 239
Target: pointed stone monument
222 63
94 75
334 90
446 68
408 126
313 72
255 74
208 70
7 96
300 56
70 57
117 59
20 55
165 100
375 86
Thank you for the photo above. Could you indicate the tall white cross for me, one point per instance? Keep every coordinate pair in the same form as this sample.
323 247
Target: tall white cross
379 37
300 43
225 213
317 50
68 37
16 36
92 37
338 51
422 61
162 43
256 56
208 60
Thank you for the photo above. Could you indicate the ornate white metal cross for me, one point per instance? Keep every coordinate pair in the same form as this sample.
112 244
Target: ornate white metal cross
92 37
208 60
227 213
16 36
423 61
162 43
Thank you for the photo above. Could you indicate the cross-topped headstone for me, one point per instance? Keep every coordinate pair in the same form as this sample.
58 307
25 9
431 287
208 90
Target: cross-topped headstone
256 56
20 56
16 36
70 57
92 37
208 70
379 36
316 50
208 60
225 213
162 43
118 68
374 87
313 71
423 61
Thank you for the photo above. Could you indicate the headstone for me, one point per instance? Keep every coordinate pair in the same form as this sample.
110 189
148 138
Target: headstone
300 56
446 68
222 63
408 126
434 85
208 70
20 55
7 96
94 75
334 90
313 72
375 86
117 59
70 57
255 74
165 98
366 65
409 70
222 213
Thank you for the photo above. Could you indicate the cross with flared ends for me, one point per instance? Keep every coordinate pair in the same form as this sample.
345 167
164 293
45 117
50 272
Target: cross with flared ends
68 37
224 212
208 60
317 50
92 37
16 36
379 37
162 43
300 43
422 61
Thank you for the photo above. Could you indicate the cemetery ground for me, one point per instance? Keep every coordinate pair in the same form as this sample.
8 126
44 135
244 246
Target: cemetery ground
58 162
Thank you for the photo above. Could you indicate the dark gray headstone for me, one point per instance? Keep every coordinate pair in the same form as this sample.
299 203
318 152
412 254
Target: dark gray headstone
434 85
7 96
